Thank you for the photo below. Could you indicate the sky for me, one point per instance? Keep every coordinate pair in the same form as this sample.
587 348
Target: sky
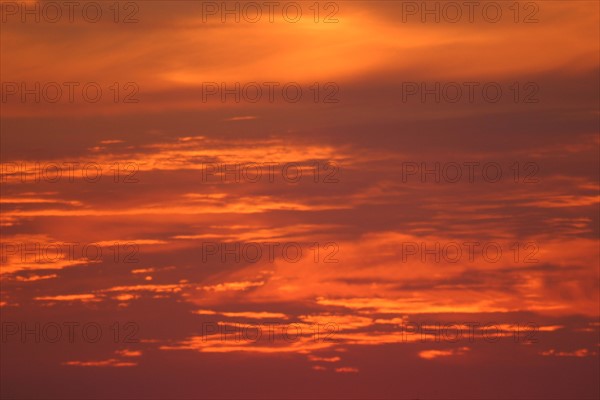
253 200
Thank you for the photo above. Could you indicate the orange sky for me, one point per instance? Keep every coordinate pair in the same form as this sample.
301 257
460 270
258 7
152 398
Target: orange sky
363 254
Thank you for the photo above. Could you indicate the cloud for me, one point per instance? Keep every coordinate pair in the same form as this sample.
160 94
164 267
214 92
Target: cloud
431 354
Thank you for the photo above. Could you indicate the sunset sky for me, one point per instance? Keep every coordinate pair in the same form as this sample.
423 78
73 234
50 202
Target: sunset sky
351 199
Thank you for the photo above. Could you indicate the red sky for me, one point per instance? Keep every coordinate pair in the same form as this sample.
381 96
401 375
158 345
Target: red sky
372 265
